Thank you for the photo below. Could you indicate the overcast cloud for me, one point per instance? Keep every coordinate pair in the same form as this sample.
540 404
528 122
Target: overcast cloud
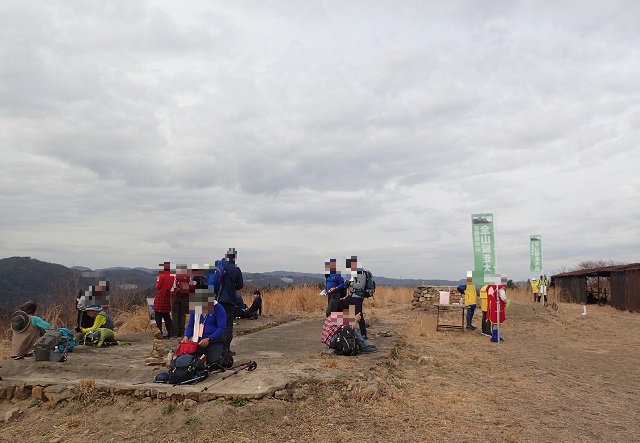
135 132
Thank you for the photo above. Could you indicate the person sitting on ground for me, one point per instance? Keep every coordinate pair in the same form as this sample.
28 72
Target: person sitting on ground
256 307
344 315
26 328
240 306
211 326
83 319
100 320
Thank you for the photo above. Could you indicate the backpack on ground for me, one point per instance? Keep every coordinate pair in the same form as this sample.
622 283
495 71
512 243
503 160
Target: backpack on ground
184 370
226 359
100 337
71 343
369 285
47 347
215 277
343 341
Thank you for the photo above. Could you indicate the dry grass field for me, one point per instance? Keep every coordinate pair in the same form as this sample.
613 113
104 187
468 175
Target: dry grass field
557 377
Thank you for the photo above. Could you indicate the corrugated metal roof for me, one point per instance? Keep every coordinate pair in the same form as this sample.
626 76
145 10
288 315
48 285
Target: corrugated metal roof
604 271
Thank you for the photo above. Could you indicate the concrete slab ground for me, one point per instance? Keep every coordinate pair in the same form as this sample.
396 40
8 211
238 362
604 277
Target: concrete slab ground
284 354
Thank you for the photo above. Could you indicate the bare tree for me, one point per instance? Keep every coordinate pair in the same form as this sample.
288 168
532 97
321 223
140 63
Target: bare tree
592 264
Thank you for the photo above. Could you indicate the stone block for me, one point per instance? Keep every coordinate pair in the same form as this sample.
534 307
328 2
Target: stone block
9 391
189 402
282 394
57 393
177 397
153 361
12 414
192 395
37 393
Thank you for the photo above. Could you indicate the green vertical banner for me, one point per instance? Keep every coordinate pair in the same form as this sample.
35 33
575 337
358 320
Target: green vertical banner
484 252
535 252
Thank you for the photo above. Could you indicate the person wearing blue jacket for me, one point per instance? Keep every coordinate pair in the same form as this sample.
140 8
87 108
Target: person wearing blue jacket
334 286
211 330
231 283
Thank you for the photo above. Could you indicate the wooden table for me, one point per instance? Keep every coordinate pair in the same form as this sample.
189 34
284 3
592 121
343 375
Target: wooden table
441 326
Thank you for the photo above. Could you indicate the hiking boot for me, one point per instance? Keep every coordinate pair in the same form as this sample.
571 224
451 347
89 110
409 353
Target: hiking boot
471 328
369 350
486 335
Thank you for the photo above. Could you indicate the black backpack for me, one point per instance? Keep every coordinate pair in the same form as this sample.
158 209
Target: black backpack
370 284
343 341
186 369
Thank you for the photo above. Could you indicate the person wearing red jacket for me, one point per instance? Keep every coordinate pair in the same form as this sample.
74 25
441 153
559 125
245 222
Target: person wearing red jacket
496 303
162 302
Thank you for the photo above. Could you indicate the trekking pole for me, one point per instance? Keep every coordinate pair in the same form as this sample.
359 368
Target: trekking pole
249 366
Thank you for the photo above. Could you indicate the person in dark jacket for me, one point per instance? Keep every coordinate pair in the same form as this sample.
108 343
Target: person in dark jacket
335 287
180 298
83 319
231 283
256 307
240 306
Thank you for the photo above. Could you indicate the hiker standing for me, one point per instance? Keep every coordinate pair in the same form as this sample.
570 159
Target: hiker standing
334 285
486 324
180 299
497 301
162 302
470 299
231 282
542 289
535 289
356 296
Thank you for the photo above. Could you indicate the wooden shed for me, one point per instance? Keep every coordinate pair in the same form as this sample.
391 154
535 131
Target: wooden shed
618 286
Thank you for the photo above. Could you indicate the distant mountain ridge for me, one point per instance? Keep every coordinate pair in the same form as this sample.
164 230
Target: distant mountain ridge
26 278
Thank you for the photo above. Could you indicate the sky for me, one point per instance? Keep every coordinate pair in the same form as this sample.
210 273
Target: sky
134 132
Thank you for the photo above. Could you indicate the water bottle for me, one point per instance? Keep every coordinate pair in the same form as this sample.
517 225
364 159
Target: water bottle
169 358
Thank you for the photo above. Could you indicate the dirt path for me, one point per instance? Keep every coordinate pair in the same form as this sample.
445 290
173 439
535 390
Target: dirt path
556 378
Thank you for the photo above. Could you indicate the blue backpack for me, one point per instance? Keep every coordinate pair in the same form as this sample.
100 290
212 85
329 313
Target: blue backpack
214 279
71 343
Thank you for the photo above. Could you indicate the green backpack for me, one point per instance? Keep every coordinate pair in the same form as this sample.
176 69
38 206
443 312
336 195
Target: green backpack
99 337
